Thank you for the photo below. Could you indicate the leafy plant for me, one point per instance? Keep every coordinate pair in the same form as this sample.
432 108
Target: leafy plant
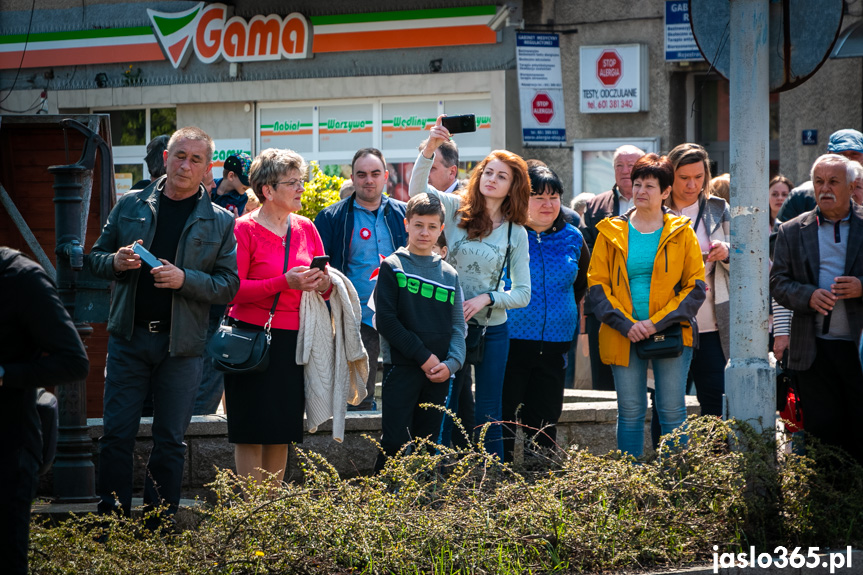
321 191
443 511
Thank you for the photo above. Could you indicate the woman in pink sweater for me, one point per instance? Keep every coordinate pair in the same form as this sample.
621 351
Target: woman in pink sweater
265 410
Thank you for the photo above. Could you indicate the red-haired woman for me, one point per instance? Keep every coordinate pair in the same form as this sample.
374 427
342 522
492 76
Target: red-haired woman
481 223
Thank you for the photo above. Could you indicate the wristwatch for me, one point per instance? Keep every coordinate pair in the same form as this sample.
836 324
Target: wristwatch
491 297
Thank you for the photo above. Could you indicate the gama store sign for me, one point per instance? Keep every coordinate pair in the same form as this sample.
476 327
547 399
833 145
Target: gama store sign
211 32
215 35
614 79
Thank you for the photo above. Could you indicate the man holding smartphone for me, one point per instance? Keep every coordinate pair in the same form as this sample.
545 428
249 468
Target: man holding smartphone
158 317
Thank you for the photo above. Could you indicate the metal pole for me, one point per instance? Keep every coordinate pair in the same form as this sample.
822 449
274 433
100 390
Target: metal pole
749 380
74 472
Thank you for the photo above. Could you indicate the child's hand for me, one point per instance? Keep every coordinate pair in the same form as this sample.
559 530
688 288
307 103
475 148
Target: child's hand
439 373
430 363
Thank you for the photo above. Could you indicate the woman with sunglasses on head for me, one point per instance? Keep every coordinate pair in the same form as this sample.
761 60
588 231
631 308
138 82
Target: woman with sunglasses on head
265 409
484 223
710 217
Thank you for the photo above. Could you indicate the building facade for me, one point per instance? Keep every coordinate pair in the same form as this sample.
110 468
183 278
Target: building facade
327 78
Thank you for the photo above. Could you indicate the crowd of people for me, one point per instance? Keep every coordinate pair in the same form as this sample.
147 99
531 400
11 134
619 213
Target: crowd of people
472 293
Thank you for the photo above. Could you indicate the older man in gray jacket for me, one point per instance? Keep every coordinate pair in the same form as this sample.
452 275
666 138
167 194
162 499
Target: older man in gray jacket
158 318
818 273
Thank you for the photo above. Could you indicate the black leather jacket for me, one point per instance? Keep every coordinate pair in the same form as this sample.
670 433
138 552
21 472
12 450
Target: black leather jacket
207 254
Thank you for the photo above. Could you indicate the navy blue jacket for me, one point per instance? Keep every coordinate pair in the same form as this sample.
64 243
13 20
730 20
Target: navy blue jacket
335 223
559 259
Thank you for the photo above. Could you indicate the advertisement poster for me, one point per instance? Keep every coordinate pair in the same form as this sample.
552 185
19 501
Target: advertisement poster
540 89
613 79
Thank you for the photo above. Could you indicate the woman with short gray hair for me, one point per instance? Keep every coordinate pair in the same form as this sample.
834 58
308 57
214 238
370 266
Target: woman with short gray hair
265 409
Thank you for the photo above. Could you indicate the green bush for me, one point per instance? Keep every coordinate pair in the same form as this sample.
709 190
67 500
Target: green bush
320 191
462 512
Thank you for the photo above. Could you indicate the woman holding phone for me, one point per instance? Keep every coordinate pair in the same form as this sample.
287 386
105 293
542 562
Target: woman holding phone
484 223
265 410
710 217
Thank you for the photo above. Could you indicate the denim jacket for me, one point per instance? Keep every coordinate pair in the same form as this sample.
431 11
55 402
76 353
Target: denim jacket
207 254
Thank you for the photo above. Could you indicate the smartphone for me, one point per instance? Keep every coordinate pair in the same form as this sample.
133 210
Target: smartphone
146 256
319 262
459 124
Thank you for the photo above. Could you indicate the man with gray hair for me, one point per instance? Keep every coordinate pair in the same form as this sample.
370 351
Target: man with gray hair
613 202
158 318
443 175
817 272
847 143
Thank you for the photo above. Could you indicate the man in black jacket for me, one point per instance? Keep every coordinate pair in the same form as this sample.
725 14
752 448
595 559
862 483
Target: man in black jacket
608 204
159 316
38 347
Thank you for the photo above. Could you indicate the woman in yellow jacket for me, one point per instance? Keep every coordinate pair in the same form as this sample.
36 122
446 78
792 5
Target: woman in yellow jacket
646 274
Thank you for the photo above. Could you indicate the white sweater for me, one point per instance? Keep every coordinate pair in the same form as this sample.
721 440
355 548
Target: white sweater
331 349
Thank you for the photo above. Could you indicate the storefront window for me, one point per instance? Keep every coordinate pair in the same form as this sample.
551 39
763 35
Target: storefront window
128 127
162 121
131 131
289 128
345 127
331 132
404 126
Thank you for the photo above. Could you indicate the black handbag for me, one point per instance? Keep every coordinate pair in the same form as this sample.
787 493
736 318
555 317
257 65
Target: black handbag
475 339
241 350
663 344
474 342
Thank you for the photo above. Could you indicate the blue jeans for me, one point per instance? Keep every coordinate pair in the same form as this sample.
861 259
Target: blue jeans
631 384
134 369
488 390
459 400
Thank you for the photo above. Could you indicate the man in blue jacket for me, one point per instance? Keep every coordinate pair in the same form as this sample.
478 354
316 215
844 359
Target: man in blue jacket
359 232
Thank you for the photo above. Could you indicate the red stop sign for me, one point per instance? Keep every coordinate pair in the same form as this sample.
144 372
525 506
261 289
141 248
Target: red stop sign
542 108
609 68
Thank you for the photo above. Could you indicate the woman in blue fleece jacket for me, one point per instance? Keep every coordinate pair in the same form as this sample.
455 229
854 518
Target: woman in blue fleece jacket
541 333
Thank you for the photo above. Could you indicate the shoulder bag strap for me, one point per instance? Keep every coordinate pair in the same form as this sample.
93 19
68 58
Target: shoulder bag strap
701 205
284 270
503 266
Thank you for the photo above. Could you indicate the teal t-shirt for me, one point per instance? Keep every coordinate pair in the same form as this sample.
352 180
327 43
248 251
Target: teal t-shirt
639 267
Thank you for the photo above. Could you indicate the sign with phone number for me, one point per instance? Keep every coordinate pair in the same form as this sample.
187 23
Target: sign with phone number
614 79
611 104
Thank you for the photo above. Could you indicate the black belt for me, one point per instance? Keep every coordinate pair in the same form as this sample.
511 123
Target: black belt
162 326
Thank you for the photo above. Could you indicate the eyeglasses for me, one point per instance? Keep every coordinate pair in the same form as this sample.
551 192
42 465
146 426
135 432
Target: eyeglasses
292 183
